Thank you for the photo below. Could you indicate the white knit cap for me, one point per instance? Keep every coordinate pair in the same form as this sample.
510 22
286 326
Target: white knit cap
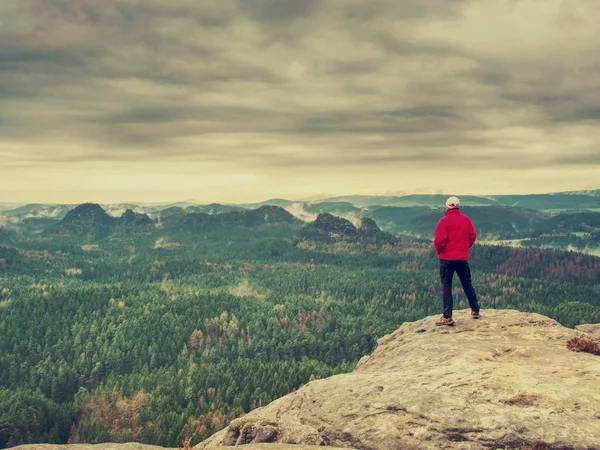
452 203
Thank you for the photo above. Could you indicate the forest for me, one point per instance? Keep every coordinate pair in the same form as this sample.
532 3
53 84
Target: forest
132 335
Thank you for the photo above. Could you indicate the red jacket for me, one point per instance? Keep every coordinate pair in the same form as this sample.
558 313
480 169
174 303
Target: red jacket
454 236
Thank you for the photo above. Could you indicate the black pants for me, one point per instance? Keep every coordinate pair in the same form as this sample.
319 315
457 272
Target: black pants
447 269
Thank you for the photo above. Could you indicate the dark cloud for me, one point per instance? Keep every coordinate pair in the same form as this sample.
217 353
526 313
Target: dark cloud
351 81
278 10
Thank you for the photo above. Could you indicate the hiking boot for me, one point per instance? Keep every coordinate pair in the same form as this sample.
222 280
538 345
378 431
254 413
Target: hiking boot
445 321
474 314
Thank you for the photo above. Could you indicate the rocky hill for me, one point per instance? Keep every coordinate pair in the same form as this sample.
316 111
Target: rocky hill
328 228
88 213
136 446
91 220
135 219
87 219
506 381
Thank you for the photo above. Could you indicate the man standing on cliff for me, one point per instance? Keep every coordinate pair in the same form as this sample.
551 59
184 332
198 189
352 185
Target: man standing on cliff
454 237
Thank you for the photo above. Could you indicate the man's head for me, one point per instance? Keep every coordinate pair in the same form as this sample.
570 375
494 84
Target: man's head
452 203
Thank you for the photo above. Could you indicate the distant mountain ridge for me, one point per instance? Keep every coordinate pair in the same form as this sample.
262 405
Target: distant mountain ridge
199 221
91 220
557 201
593 192
568 200
562 219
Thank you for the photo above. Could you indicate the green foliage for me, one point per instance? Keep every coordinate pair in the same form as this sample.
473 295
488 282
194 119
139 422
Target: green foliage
153 337
27 417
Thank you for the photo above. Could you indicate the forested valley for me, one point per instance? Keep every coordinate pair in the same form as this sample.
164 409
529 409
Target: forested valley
132 333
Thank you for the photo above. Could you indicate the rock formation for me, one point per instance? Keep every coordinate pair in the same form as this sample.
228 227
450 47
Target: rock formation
134 219
92 221
506 381
88 213
86 220
368 226
329 228
136 446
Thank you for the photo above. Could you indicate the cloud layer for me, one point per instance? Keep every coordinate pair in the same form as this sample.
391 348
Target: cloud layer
332 89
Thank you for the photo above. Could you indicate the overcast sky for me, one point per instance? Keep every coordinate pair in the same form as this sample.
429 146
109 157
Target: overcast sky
244 100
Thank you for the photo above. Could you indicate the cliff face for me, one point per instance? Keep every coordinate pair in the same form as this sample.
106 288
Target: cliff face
506 381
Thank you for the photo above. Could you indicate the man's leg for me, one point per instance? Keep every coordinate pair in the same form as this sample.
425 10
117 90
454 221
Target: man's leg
464 273
446 274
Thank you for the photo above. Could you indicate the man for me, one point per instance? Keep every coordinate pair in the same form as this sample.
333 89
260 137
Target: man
454 236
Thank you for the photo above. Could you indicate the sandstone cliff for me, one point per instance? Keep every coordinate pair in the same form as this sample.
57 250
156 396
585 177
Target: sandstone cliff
136 446
506 381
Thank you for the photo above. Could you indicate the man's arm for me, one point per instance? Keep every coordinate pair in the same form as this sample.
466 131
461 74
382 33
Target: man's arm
472 234
441 236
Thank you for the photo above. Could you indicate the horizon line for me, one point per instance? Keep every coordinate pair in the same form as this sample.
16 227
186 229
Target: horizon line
312 199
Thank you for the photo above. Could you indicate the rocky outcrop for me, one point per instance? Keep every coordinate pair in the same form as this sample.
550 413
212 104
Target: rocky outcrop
135 219
86 214
368 226
283 447
92 221
136 446
329 228
87 220
368 230
505 381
